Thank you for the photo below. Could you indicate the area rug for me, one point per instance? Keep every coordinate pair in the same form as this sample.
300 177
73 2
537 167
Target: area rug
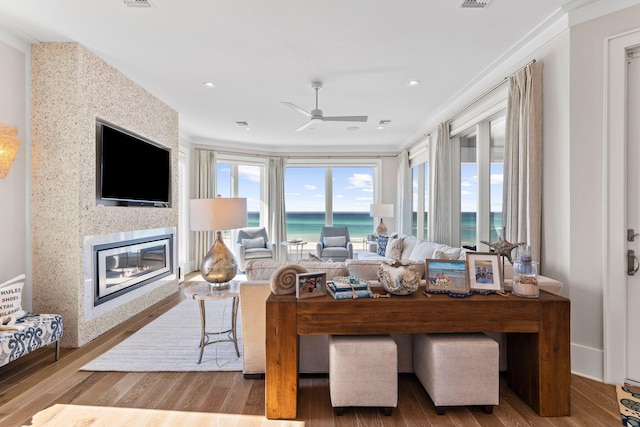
171 343
629 403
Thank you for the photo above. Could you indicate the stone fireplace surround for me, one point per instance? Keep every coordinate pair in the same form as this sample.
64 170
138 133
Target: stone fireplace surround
71 88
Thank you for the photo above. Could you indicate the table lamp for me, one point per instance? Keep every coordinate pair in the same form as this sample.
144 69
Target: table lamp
381 210
219 265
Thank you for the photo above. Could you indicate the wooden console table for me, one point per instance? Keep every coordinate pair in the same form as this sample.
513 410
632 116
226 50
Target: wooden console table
539 365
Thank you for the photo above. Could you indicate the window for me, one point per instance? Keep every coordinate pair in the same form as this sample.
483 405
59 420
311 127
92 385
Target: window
418 160
479 156
240 177
304 200
318 195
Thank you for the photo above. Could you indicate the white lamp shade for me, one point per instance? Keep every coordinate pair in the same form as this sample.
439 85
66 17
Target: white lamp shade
382 210
217 214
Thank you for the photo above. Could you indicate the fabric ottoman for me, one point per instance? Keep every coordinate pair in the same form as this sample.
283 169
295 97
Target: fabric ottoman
363 371
458 369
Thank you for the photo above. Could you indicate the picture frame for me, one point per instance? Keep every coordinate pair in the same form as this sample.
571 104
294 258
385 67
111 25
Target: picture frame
309 285
485 271
445 275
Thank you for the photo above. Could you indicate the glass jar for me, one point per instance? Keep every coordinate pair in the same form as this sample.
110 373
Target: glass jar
525 278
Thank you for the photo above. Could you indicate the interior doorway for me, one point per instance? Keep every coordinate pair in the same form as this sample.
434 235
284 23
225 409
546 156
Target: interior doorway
620 173
633 217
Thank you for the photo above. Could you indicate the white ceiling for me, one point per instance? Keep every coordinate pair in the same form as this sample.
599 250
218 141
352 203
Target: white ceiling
262 52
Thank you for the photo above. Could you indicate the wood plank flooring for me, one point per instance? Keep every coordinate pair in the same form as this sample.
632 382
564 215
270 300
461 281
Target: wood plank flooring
35 390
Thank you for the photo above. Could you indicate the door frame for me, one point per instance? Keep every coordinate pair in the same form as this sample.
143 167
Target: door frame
614 282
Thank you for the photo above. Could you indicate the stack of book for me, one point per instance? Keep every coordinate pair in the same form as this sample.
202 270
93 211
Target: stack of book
343 290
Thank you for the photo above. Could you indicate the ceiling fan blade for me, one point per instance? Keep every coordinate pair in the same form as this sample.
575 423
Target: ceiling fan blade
295 107
304 126
345 119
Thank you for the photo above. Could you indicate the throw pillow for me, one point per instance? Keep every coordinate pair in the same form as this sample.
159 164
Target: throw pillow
382 245
451 253
394 248
253 243
11 297
337 241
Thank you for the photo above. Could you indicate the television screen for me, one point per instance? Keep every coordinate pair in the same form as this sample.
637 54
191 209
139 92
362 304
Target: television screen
131 170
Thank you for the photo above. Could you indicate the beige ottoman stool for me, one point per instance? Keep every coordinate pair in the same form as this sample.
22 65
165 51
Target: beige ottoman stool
363 371
458 369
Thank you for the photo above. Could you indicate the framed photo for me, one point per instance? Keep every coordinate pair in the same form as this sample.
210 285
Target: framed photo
310 285
485 272
447 276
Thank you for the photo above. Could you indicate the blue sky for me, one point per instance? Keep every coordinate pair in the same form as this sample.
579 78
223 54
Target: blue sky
352 187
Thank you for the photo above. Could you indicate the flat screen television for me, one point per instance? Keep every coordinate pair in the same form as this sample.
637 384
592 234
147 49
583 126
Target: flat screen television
131 170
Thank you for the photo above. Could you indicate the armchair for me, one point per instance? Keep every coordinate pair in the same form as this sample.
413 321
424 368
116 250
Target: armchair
253 243
334 243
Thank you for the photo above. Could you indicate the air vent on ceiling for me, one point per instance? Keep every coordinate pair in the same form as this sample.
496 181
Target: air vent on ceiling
474 4
137 3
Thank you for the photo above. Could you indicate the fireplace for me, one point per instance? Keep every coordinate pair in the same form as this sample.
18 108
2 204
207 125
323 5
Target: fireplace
121 267
124 266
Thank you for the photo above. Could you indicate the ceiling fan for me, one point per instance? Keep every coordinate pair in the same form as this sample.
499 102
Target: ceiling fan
316 114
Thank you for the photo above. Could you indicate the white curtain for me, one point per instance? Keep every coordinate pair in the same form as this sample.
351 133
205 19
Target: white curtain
441 221
404 194
205 161
522 199
277 210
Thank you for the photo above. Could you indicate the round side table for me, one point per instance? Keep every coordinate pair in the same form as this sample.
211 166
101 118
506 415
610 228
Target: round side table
201 292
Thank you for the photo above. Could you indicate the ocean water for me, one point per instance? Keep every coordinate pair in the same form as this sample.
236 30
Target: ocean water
307 225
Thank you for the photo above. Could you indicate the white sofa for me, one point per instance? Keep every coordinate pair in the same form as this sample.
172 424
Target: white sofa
314 348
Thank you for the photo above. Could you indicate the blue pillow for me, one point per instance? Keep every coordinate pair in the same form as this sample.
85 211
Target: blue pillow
382 244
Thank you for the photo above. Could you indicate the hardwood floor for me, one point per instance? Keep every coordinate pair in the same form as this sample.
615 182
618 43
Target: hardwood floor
36 391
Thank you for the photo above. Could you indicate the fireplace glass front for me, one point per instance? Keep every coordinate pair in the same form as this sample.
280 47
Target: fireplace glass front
124 266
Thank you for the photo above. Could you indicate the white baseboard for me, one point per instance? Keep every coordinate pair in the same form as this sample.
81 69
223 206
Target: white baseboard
587 362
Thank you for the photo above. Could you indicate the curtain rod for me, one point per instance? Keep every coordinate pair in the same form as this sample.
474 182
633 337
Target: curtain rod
496 86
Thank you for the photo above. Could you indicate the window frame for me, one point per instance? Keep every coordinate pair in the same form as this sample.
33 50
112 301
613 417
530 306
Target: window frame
482 131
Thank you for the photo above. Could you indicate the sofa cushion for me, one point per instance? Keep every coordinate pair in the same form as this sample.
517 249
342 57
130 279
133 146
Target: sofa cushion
253 243
408 243
447 253
423 250
335 241
394 248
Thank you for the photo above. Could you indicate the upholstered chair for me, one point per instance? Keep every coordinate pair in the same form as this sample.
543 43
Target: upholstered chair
334 243
253 243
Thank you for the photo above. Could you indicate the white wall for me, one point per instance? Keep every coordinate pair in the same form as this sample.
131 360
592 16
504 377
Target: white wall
14 200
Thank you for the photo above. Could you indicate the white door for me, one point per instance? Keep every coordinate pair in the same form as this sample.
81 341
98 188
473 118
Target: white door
633 216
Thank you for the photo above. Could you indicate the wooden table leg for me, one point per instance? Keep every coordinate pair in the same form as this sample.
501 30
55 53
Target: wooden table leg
281 376
539 364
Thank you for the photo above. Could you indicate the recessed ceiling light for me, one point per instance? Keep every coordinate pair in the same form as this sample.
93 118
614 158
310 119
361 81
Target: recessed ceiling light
352 128
413 83
380 127
208 85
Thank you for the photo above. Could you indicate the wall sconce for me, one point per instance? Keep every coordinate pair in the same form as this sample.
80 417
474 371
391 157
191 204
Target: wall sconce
9 144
